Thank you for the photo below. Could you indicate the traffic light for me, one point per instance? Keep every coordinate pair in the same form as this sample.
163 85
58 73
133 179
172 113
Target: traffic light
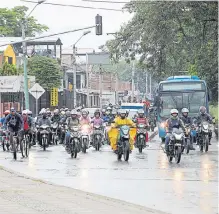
99 27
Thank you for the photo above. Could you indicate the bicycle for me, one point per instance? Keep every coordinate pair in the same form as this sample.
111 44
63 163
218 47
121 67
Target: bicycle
14 144
25 145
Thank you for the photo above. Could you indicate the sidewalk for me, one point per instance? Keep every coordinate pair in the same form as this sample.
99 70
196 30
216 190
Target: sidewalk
23 195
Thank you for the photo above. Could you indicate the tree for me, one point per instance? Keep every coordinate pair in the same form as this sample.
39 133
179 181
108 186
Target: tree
9 70
11 19
46 70
169 37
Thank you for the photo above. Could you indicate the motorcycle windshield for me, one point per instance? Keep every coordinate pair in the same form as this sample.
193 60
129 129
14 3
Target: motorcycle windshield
85 128
44 126
124 130
177 131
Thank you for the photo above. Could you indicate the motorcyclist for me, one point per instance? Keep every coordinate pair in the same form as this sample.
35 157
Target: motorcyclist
71 122
44 121
56 117
152 114
173 122
2 120
33 130
97 121
49 114
15 123
121 121
84 118
187 120
141 119
204 117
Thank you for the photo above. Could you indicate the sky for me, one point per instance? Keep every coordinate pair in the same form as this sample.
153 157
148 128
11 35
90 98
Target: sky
60 19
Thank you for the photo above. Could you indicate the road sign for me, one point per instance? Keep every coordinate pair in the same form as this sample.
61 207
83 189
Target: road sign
54 97
37 91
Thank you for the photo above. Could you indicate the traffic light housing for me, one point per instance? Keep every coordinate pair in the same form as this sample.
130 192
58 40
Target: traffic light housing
99 26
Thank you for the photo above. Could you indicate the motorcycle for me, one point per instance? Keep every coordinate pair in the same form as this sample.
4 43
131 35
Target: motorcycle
189 138
152 124
97 137
85 137
4 138
54 129
44 133
141 137
215 128
203 136
175 145
123 144
74 143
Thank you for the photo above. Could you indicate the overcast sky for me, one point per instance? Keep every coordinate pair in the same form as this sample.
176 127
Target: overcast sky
60 19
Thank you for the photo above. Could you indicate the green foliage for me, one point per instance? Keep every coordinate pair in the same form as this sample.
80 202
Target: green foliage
9 70
171 36
46 70
11 19
214 111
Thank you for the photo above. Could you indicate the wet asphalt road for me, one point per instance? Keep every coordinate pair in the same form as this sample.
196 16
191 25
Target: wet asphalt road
148 179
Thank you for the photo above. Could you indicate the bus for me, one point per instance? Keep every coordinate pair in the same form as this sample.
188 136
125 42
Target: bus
180 92
132 108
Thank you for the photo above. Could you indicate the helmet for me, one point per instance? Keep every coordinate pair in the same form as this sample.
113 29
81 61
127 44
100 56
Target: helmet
108 108
62 113
122 113
56 111
185 110
12 109
97 111
68 113
202 110
25 112
6 112
174 111
140 111
84 112
103 110
74 112
114 112
43 112
66 109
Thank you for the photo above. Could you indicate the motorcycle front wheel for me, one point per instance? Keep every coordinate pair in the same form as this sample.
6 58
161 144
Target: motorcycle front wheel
206 139
178 153
126 151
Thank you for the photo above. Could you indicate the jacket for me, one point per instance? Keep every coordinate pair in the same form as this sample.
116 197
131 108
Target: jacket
14 121
45 121
174 123
121 122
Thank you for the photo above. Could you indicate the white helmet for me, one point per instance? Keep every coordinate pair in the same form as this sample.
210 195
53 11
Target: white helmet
185 110
24 112
62 112
174 111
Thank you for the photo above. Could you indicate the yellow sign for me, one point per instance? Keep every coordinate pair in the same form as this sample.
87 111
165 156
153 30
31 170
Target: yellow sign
54 97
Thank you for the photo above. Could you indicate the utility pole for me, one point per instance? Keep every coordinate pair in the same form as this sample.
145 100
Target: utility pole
146 83
150 85
23 28
100 85
133 82
74 70
87 82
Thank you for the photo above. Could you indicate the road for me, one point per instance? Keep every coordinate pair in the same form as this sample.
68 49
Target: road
147 179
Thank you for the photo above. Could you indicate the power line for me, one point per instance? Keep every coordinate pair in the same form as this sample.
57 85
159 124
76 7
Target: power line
76 6
113 2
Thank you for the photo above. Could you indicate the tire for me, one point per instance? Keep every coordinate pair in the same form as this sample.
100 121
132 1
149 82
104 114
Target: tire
170 158
126 152
188 146
140 149
119 156
14 149
206 143
3 145
84 149
44 144
152 129
27 149
22 147
178 154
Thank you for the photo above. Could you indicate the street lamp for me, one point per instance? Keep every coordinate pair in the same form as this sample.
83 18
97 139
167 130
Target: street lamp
74 66
26 93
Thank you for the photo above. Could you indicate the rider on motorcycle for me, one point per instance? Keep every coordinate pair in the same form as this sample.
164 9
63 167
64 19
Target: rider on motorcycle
44 121
141 119
71 122
84 118
56 117
204 116
173 122
121 121
187 120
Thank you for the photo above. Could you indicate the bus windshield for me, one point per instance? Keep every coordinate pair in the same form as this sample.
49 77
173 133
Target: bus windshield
191 100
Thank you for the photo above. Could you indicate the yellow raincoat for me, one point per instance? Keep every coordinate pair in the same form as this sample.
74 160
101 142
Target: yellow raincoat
114 132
